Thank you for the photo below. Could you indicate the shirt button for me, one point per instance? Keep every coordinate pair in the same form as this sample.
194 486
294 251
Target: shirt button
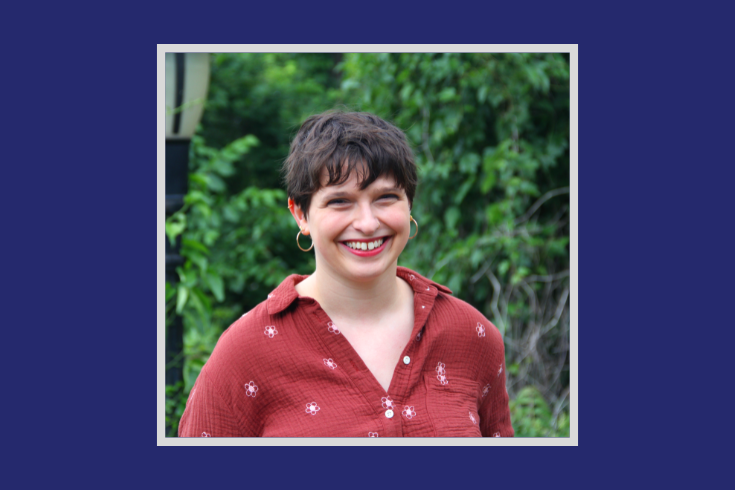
406 360
389 414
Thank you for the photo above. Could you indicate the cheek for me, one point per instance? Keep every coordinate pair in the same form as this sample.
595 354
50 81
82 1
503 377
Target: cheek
398 220
328 228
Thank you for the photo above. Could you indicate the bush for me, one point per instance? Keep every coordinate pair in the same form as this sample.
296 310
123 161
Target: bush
491 137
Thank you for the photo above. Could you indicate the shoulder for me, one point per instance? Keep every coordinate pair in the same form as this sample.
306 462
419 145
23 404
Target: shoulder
243 346
253 338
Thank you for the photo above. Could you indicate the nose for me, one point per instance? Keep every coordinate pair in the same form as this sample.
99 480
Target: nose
365 221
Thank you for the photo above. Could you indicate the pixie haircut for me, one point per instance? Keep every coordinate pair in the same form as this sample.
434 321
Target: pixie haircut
346 142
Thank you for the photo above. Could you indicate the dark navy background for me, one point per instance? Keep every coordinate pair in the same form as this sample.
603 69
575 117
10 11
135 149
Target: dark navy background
655 254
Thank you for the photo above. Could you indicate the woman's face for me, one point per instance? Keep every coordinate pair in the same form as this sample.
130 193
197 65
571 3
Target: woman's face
358 234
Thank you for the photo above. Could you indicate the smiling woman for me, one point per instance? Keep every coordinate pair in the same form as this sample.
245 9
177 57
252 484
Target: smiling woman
361 340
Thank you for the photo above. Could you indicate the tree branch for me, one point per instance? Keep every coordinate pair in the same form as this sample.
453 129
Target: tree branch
559 310
425 133
541 200
552 278
496 295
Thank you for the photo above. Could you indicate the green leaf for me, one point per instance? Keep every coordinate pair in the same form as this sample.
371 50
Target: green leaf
175 226
215 183
494 214
406 92
198 259
487 182
197 179
447 94
451 216
170 291
206 303
482 94
181 298
529 188
189 243
215 283
463 190
469 162
519 275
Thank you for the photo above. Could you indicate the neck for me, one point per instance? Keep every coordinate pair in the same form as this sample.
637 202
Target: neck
341 298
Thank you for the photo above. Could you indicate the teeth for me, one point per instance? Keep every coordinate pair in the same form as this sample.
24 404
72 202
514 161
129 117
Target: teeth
365 245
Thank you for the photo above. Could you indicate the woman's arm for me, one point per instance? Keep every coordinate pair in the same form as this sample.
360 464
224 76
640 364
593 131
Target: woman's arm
207 414
494 410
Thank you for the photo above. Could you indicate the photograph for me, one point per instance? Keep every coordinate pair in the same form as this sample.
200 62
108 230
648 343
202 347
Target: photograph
368 244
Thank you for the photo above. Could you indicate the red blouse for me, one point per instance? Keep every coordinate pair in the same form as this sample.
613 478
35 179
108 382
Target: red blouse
284 370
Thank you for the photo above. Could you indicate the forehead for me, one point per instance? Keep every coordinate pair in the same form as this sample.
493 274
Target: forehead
353 182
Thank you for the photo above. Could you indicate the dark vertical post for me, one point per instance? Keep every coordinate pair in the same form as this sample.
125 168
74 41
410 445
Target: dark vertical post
177 179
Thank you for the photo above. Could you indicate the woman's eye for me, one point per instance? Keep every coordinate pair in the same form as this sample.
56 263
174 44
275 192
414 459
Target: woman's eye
345 201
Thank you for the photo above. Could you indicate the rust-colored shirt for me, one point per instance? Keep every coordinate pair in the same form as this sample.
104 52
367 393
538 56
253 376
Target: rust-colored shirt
284 370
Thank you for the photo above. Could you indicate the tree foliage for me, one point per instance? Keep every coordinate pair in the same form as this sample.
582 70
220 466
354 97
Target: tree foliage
491 137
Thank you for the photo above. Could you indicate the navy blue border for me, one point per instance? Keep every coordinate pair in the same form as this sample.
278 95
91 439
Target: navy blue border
88 225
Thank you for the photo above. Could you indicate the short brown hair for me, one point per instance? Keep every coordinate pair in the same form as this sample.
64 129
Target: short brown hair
342 142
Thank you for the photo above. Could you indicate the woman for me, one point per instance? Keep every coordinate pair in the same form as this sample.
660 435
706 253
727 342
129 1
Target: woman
361 347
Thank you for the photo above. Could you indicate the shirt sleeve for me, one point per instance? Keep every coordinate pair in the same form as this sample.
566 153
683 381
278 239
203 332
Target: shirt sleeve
494 411
206 413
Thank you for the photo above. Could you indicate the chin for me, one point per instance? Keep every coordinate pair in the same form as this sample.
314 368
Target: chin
365 274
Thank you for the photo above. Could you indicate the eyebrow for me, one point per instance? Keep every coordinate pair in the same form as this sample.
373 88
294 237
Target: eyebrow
339 194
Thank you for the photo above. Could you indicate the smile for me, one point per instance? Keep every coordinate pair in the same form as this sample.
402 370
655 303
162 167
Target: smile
364 248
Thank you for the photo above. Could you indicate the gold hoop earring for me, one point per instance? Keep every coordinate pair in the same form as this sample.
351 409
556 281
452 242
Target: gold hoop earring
417 227
299 245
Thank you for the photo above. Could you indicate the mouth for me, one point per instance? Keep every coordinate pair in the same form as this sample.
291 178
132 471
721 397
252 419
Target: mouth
366 248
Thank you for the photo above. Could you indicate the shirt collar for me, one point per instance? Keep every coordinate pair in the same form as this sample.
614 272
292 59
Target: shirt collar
285 294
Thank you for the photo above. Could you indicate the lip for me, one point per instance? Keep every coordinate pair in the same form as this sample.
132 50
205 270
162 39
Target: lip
367 253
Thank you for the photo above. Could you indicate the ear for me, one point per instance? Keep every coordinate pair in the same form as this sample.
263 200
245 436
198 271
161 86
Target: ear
299 216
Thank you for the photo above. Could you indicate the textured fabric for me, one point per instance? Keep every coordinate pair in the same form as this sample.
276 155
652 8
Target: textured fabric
284 370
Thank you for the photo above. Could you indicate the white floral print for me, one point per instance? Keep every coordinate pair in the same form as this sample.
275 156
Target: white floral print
500 370
270 296
204 434
387 402
332 328
412 277
441 374
473 419
409 412
251 389
497 434
485 390
330 363
312 408
480 329
271 331
373 434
